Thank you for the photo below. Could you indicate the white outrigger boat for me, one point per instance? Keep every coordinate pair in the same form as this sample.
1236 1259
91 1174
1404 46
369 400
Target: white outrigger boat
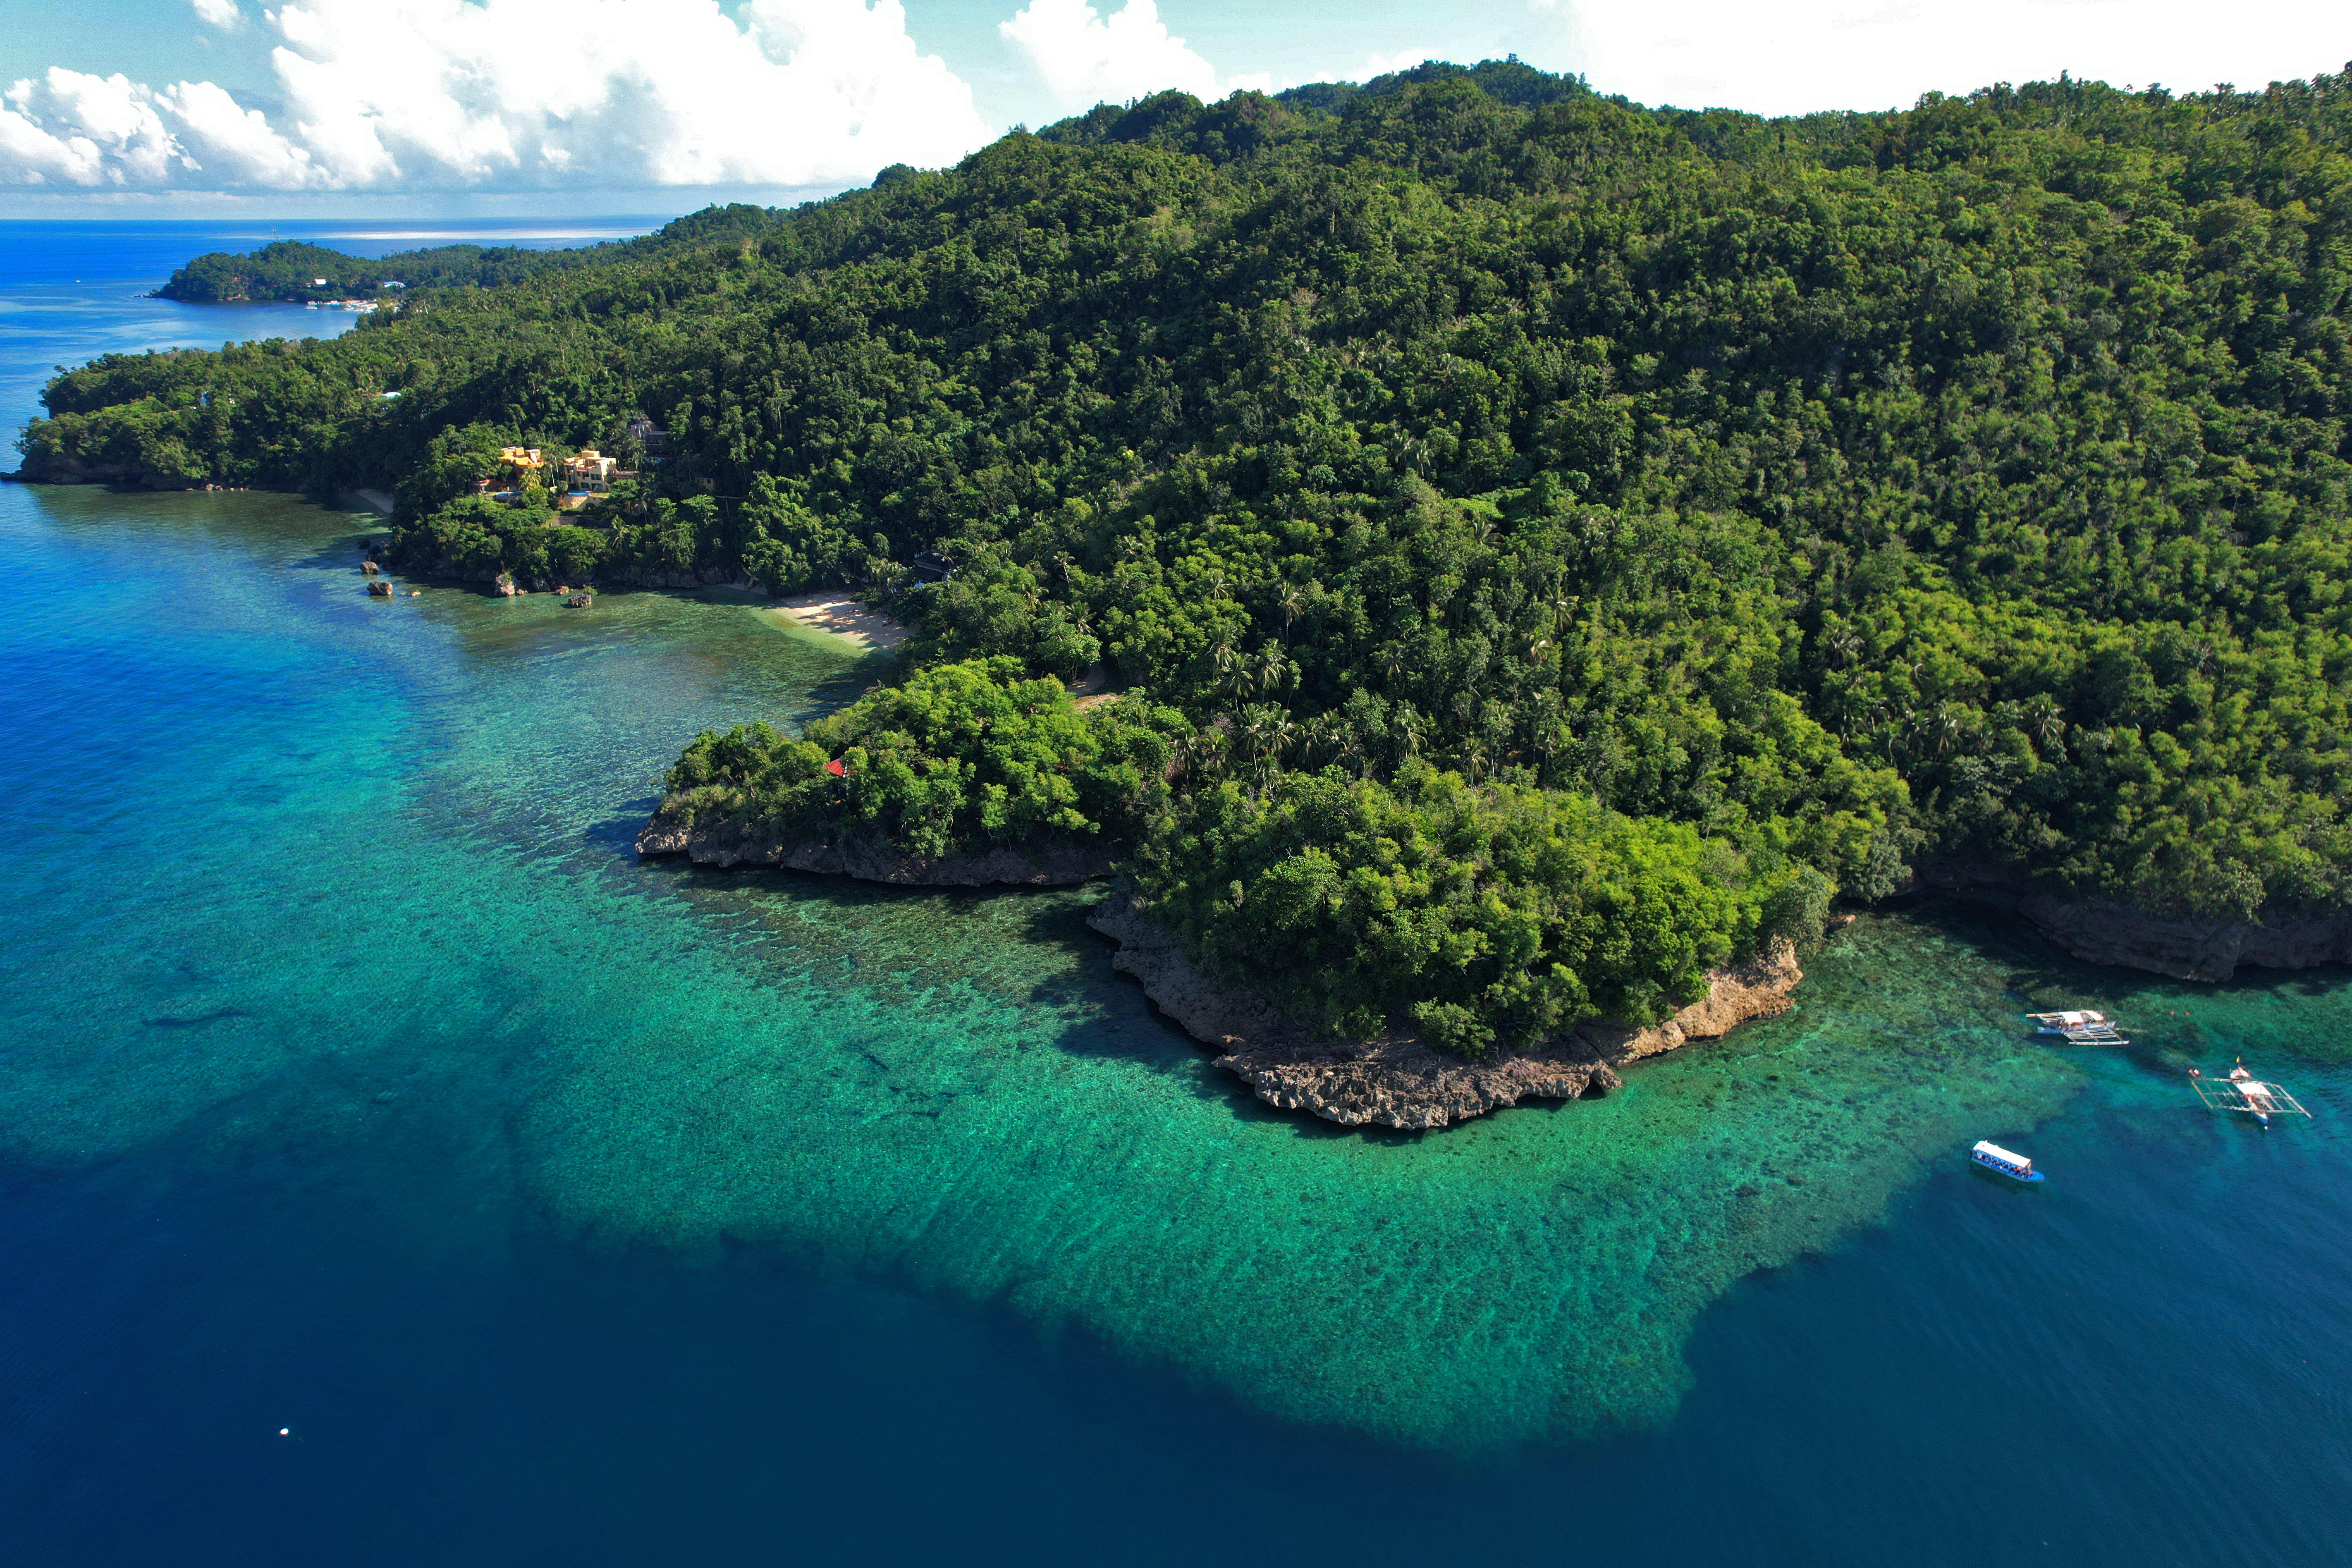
1993 1157
2078 1028
2241 1091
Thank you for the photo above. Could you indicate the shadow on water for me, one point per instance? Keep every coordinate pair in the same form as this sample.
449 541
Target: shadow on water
201 1020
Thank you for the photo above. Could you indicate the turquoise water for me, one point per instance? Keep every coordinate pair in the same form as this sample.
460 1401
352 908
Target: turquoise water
358 1081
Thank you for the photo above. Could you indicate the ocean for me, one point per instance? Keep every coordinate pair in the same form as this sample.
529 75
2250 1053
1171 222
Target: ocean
395 1170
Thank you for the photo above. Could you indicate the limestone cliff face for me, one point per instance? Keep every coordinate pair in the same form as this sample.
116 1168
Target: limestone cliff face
2182 947
2186 947
870 857
1395 1081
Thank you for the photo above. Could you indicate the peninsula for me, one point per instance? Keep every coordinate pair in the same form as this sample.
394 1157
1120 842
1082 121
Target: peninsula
1529 554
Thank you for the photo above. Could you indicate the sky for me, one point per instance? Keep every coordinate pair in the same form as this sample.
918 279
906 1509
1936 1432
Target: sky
161 108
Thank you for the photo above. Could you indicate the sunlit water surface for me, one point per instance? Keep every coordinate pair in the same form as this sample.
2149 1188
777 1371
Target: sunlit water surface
396 1170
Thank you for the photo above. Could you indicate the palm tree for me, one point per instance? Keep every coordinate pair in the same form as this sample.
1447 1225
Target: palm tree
1944 731
1274 671
1267 729
1290 604
2045 721
1408 726
1232 670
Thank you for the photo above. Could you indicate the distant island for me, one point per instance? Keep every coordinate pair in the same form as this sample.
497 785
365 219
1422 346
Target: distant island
1544 553
297 271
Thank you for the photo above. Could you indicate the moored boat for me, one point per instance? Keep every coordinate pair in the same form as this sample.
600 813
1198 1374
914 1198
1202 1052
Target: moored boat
2078 1028
1993 1157
2241 1091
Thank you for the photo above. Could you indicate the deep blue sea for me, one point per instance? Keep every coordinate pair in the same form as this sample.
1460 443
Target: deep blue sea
392 1169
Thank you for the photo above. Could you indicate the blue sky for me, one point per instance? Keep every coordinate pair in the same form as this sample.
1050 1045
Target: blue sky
550 106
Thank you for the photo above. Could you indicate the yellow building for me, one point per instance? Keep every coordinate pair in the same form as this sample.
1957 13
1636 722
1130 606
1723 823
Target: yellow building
590 471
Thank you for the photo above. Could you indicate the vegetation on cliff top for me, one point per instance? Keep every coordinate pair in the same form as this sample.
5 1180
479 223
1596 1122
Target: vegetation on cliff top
1746 501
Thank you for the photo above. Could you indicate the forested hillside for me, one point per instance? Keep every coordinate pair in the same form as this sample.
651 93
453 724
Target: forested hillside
1580 534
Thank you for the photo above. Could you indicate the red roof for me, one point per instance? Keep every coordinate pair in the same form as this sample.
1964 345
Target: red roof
837 768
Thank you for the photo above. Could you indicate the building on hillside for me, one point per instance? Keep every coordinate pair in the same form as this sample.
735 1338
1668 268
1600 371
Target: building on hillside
516 467
652 437
589 469
588 474
931 566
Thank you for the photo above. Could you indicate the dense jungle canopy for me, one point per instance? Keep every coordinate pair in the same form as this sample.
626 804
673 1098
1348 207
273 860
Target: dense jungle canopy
1578 535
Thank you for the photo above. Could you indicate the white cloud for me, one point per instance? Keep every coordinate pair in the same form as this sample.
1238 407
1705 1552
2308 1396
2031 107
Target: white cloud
1803 55
107 133
1087 59
221 14
404 94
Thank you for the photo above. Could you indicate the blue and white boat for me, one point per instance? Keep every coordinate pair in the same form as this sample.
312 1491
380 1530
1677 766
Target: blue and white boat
1993 1157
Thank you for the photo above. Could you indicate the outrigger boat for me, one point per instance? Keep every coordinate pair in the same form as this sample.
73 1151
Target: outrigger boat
2078 1028
1993 1157
2241 1091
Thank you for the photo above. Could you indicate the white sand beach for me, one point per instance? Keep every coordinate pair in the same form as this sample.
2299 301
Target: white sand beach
843 617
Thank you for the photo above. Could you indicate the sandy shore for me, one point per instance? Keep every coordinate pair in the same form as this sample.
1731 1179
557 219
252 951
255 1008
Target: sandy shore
845 617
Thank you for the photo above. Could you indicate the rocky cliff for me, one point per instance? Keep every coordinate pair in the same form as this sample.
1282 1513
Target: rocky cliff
870 857
1395 1081
2182 947
2188 947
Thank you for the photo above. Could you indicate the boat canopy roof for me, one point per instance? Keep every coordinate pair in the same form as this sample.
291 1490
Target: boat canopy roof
1996 1152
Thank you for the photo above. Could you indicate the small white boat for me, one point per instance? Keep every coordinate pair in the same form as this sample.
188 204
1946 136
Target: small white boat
1993 1157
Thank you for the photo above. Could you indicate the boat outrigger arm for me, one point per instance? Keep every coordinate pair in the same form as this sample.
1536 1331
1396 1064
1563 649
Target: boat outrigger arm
2241 1091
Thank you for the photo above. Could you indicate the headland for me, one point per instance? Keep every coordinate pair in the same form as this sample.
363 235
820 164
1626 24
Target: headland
1395 1079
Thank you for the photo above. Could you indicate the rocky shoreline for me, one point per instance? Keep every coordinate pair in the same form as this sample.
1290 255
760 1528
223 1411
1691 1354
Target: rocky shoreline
869 858
1395 1081
446 571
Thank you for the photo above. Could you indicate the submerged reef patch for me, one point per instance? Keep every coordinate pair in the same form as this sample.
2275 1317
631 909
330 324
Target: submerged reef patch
946 1089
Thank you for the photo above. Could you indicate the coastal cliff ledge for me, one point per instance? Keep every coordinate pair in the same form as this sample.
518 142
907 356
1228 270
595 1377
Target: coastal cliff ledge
2203 948
1395 1081
870 857
2188 947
